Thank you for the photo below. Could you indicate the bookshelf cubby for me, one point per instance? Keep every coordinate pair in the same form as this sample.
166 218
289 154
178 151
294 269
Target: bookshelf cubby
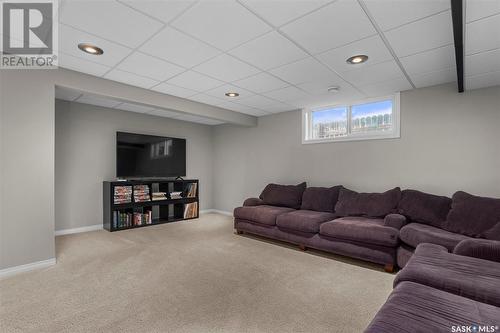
131 204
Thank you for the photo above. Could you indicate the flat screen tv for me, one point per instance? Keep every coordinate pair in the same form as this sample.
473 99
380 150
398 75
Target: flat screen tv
149 156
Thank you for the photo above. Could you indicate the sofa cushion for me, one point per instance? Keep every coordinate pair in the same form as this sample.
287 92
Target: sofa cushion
303 220
412 307
404 254
352 203
416 233
472 215
361 229
321 199
283 195
473 278
262 214
424 208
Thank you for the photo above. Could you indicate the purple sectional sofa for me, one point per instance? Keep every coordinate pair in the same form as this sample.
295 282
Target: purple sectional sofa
438 291
384 228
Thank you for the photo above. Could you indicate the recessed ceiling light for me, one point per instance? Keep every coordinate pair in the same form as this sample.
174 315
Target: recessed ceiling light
357 59
232 94
333 89
90 49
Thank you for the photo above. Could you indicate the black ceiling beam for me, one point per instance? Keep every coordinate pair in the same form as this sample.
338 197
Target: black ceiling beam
458 36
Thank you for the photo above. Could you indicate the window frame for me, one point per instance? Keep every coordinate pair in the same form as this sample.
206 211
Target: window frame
394 134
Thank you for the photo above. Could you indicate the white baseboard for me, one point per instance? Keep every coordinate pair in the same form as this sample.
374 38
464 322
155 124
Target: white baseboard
78 230
6 272
217 211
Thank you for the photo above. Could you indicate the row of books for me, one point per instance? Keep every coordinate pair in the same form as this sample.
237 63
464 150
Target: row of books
141 193
122 220
159 196
176 195
122 194
191 210
191 190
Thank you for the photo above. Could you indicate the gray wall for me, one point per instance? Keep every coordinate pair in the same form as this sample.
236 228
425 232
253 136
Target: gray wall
449 141
27 167
86 155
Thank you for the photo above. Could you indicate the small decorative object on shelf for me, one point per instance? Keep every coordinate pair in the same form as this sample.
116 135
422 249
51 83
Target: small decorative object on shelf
138 203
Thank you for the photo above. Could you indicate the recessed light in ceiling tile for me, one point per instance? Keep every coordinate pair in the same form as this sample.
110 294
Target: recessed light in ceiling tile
357 59
90 48
333 89
232 94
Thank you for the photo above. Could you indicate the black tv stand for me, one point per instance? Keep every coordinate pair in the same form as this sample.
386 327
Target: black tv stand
128 211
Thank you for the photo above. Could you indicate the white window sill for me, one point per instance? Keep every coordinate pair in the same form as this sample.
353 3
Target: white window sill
353 138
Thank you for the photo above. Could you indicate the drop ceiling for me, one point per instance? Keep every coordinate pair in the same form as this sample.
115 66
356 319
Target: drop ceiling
279 55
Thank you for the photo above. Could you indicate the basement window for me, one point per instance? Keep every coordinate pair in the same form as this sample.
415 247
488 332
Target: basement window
365 120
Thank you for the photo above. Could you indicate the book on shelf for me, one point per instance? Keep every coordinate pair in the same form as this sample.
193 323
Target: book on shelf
122 194
191 210
123 220
159 196
176 195
191 190
141 193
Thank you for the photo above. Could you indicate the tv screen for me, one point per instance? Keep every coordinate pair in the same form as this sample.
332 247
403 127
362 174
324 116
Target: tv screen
139 156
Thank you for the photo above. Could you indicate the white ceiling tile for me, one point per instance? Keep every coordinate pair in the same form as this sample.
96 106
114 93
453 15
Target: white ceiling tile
223 24
326 28
69 39
321 87
145 65
269 51
426 34
282 107
279 12
170 89
165 113
97 100
477 9
220 92
260 83
134 107
66 94
178 48
430 61
195 81
289 93
82 65
164 11
131 79
434 78
226 68
483 62
305 70
392 13
367 75
373 46
483 80
387 87
482 35
259 102
110 20
249 110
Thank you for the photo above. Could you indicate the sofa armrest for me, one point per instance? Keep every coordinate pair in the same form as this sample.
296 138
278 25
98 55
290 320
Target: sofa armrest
395 221
479 248
253 202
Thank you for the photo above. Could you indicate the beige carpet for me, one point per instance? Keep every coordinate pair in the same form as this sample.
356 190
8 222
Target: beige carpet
192 276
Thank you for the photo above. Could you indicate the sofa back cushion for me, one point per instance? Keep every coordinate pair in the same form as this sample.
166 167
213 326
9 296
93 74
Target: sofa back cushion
352 203
283 195
424 208
320 199
473 216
